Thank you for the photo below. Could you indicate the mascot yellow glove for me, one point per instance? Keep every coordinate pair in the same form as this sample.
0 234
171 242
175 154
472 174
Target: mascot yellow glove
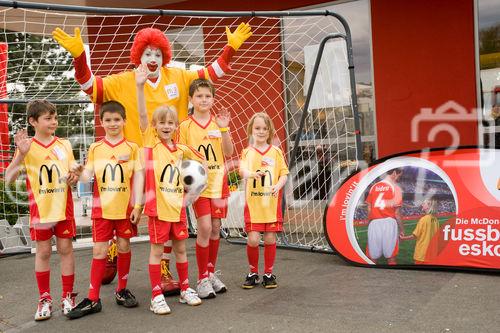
73 45
239 36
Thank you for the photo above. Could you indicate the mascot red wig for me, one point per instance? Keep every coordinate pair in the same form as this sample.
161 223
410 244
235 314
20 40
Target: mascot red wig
150 37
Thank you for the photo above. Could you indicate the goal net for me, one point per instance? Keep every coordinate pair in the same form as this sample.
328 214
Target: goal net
272 72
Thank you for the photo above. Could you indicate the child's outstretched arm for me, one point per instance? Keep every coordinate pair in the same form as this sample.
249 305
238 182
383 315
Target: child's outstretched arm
75 173
23 144
222 119
401 226
141 75
409 237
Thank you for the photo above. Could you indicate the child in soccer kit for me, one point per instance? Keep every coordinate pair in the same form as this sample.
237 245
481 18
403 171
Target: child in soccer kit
117 169
427 227
209 135
264 168
165 195
47 161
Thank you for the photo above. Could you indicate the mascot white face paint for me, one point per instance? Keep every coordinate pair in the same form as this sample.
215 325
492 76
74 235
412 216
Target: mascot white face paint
152 58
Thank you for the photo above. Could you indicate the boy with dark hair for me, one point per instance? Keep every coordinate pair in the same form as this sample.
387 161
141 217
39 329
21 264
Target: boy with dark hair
209 134
47 161
118 187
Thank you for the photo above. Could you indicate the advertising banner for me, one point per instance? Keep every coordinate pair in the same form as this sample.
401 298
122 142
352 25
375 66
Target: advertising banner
434 208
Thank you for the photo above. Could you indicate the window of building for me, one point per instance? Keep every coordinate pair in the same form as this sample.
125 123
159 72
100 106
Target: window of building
488 23
328 108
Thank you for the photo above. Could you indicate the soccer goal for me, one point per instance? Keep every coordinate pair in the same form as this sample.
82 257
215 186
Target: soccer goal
297 67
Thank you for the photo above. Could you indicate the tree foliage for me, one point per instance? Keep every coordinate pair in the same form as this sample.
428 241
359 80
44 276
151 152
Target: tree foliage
38 68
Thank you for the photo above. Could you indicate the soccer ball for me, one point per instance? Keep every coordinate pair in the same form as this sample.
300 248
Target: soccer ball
193 176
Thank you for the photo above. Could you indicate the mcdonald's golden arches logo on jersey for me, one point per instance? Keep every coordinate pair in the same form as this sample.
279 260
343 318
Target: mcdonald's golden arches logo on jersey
207 139
267 178
113 166
47 166
112 170
49 174
261 204
173 174
208 151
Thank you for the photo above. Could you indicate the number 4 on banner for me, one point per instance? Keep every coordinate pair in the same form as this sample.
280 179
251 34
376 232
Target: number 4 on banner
380 202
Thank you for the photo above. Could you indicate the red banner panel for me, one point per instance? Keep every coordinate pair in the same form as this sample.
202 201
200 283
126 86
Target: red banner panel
434 209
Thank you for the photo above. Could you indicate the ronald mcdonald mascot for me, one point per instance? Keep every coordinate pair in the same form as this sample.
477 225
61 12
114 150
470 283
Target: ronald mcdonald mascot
165 85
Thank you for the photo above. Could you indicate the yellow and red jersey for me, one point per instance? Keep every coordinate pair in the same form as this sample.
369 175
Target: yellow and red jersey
426 228
113 166
260 205
171 88
207 139
164 189
378 196
47 167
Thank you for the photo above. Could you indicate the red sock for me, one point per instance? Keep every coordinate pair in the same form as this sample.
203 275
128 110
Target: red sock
97 269
212 254
43 281
123 266
253 258
67 284
182 271
202 254
155 278
269 256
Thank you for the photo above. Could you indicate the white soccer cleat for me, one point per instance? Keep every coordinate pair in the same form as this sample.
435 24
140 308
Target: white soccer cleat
217 284
205 289
44 309
189 297
68 303
159 305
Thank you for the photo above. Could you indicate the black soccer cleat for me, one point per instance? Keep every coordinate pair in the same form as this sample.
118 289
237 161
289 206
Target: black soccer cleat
85 307
251 281
269 281
124 297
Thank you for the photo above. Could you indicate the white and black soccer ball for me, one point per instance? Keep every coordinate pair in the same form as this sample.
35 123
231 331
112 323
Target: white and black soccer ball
193 176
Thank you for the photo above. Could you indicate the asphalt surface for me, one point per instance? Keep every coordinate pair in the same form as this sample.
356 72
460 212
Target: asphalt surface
316 293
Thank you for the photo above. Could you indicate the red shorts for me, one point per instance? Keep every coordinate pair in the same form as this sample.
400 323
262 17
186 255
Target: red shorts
216 208
163 231
103 229
264 227
45 231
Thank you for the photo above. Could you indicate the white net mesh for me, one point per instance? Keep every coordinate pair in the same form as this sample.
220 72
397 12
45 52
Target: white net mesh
271 73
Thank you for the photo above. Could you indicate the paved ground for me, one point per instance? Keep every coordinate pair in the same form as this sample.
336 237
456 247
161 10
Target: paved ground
317 292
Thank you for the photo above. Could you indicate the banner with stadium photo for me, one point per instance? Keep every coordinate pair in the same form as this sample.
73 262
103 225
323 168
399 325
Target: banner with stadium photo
447 203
